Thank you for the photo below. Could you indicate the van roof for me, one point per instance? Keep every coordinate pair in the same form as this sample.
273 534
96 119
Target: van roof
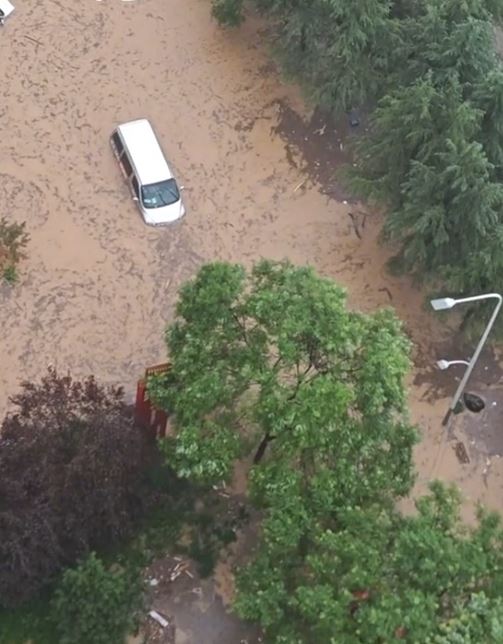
145 151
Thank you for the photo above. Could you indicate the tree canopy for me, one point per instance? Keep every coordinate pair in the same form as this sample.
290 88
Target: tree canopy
370 574
93 604
429 73
338 50
71 471
272 362
434 148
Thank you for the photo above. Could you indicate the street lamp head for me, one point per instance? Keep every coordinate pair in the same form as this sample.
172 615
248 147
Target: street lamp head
443 364
443 303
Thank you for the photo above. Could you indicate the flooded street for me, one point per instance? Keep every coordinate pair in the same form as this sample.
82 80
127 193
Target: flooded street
98 286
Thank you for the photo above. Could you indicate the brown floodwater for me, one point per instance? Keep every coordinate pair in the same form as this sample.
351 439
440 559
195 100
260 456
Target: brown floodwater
98 286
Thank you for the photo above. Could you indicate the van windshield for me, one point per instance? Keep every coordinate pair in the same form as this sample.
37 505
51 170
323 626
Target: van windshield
156 195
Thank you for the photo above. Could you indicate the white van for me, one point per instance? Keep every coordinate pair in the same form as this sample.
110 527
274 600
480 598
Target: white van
146 170
6 8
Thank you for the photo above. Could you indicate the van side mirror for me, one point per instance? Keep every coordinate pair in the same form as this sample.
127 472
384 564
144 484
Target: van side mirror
135 199
182 187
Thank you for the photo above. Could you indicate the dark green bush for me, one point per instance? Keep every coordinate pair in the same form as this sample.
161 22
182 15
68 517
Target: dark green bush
93 605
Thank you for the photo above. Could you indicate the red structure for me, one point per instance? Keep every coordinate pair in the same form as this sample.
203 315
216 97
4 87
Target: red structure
146 415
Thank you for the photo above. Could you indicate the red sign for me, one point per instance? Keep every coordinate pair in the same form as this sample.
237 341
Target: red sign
148 416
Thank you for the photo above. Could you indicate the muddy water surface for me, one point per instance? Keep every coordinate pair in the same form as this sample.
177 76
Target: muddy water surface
99 286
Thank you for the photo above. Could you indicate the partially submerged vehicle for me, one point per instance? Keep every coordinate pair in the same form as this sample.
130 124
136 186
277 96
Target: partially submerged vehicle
147 173
6 8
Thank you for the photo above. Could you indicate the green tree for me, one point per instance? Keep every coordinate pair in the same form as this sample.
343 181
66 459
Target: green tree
93 605
370 574
435 140
337 50
488 96
433 152
273 363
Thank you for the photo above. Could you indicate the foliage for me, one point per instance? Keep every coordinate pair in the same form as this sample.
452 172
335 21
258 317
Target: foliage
273 362
213 528
170 508
479 620
338 50
10 274
93 604
13 240
433 154
434 150
28 622
71 479
228 12
370 574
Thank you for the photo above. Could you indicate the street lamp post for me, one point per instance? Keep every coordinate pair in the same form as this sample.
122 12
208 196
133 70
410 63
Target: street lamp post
445 364
448 303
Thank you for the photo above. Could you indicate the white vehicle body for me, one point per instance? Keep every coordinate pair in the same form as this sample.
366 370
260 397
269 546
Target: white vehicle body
147 172
6 8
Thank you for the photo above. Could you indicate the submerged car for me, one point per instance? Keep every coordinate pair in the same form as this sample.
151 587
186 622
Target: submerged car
147 173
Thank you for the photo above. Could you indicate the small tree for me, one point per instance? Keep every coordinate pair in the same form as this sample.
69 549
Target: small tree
369 574
13 239
93 604
273 363
71 471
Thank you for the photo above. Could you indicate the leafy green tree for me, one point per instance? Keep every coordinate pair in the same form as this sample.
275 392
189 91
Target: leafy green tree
93 605
370 574
273 363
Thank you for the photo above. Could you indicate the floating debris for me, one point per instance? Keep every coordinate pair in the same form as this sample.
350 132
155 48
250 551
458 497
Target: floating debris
461 453
158 618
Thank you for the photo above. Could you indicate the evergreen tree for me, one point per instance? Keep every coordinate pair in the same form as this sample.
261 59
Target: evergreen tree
487 95
338 50
433 154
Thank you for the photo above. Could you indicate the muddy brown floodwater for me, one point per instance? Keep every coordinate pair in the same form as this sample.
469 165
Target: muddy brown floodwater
99 286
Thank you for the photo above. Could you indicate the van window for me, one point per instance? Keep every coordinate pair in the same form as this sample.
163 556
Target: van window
118 143
126 164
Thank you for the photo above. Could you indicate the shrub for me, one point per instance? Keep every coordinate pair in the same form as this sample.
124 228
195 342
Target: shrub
13 240
93 605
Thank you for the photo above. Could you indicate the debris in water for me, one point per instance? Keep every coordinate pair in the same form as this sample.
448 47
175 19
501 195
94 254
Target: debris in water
461 453
298 186
158 618
473 403
354 119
